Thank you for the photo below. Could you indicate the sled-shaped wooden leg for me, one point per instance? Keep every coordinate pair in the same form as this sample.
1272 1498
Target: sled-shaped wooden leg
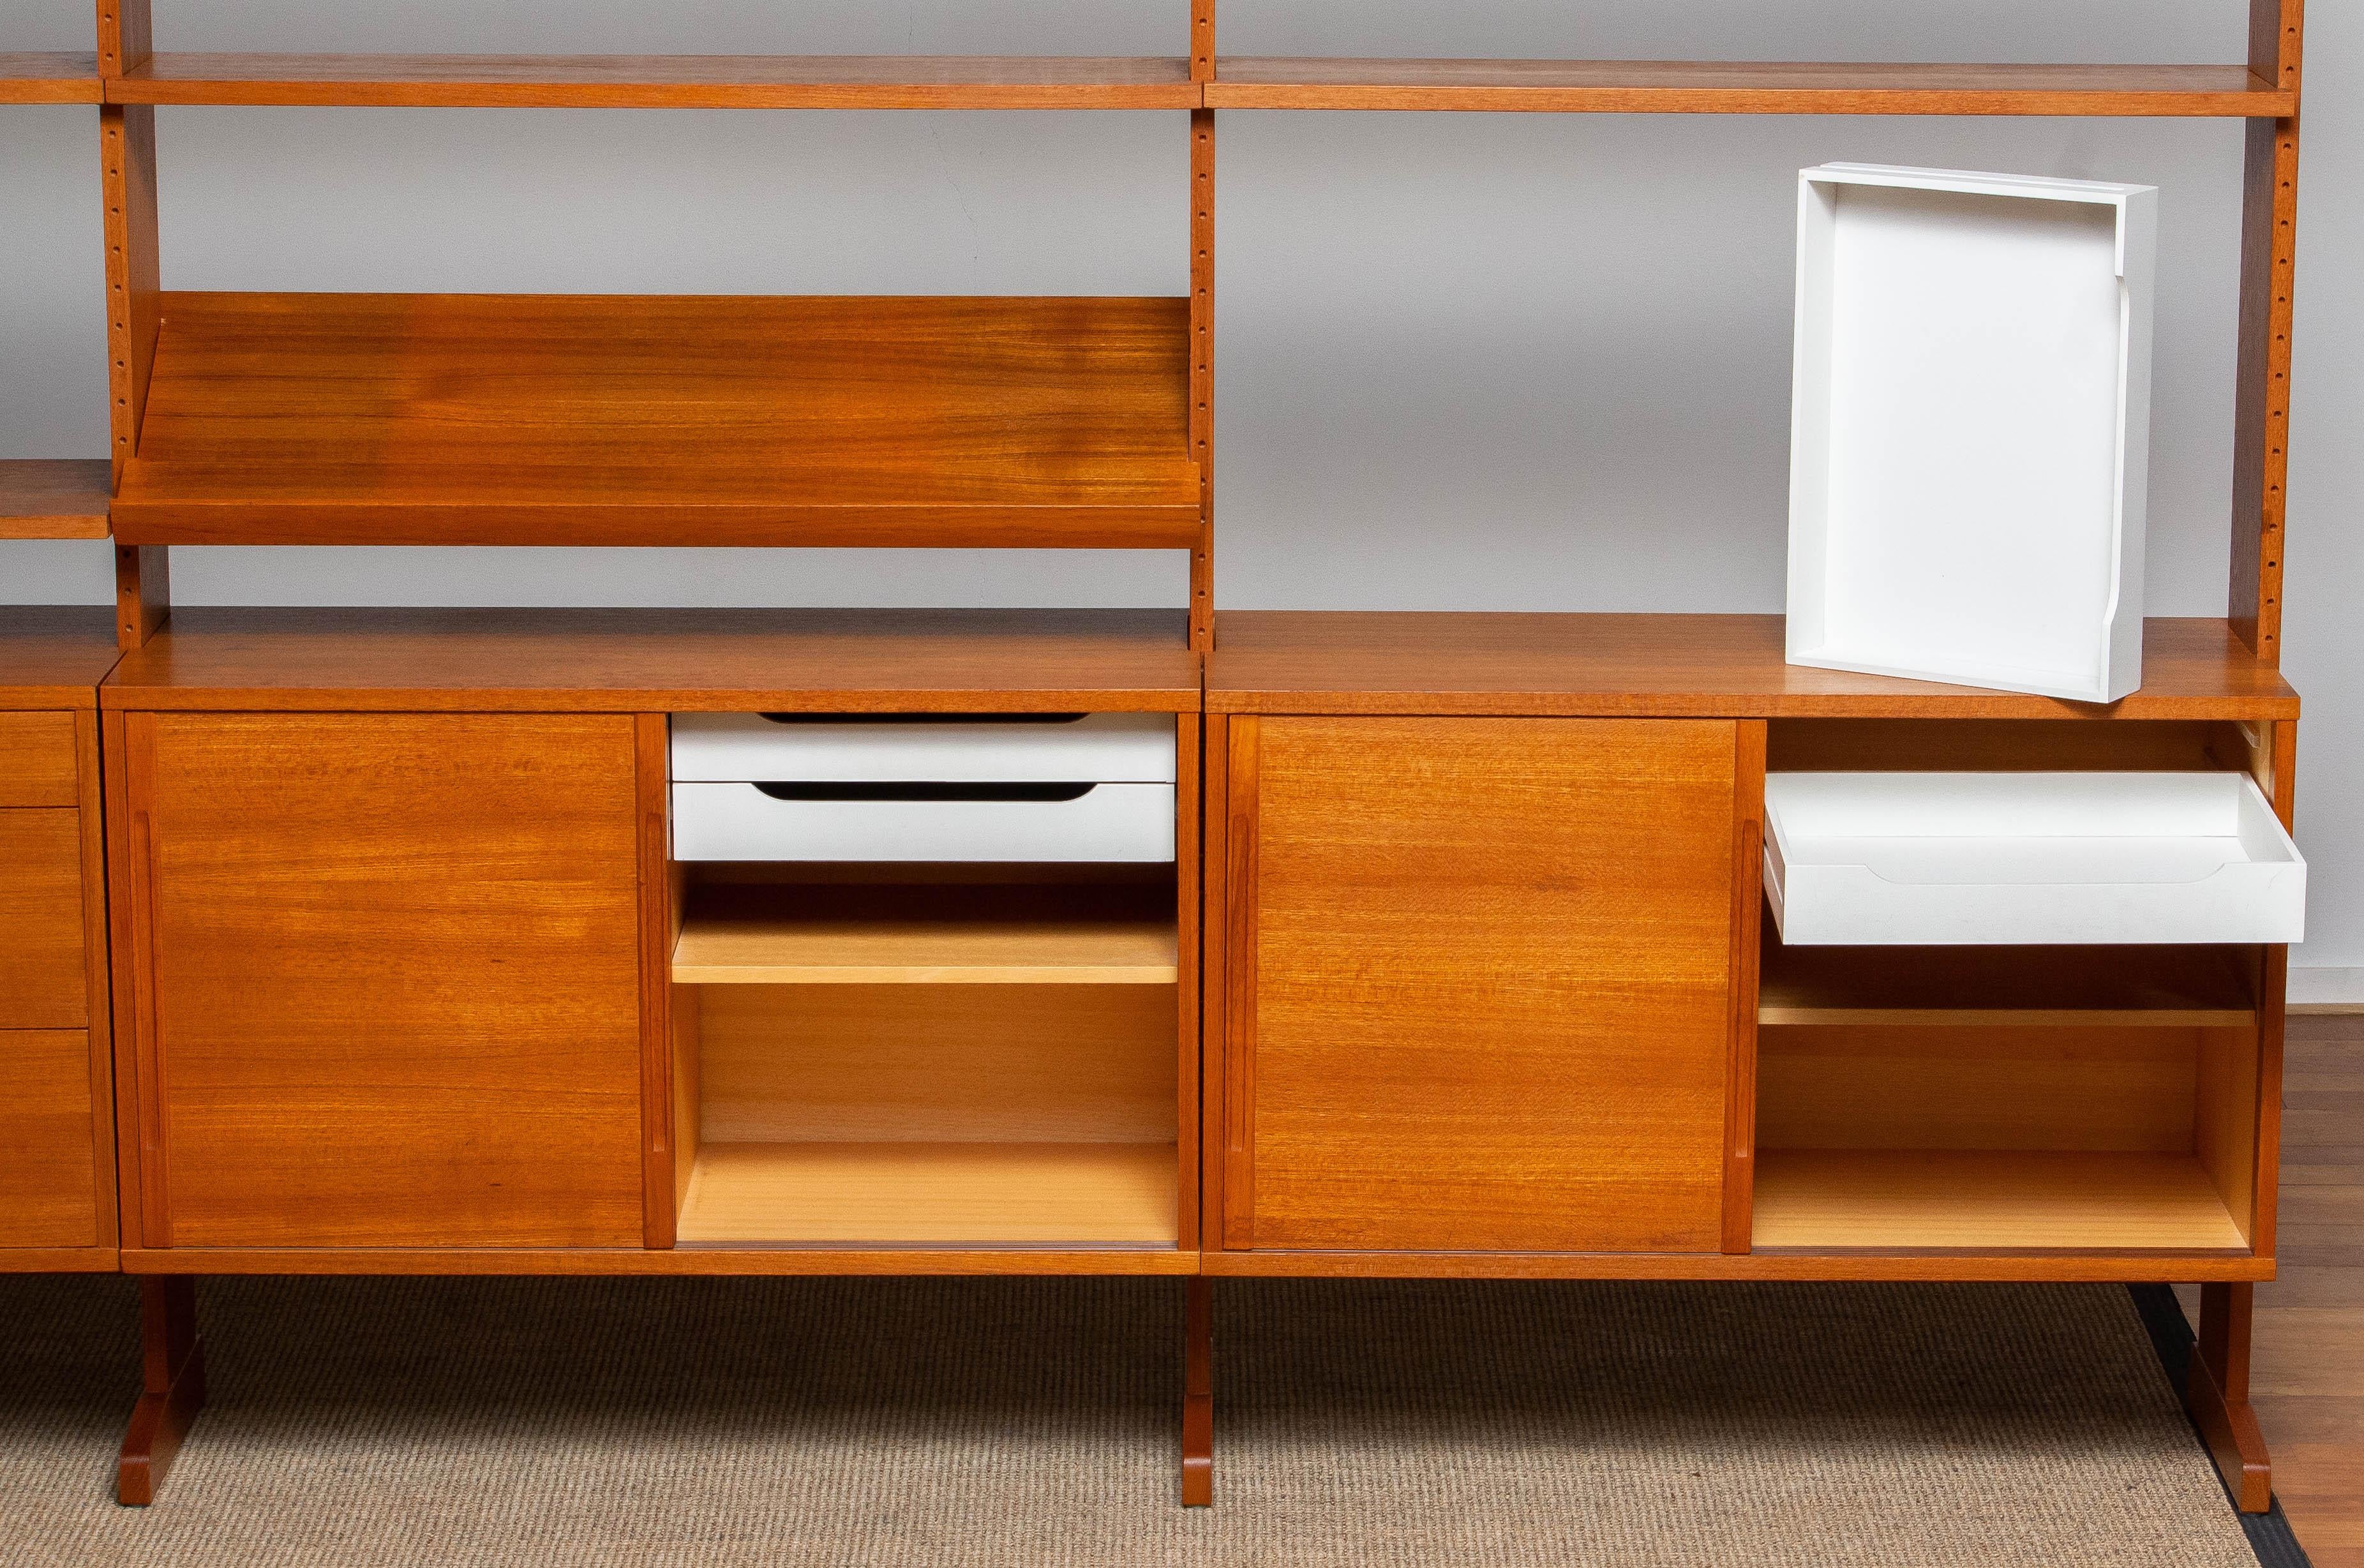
173 1384
1199 1395
2219 1395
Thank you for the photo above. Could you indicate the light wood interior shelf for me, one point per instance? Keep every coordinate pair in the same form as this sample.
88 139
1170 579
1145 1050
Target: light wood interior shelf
793 934
2163 987
1739 87
332 418
48 78
53 498
679 82
1990 1200
1106 1194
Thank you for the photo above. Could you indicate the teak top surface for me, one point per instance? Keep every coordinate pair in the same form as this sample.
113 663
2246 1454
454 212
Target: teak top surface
665 660
1685 86
1699 666
646 80
327 418
48 78
54 656
53 498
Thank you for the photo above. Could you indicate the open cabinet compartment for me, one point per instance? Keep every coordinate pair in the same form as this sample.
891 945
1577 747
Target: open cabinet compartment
941 1043
1971 441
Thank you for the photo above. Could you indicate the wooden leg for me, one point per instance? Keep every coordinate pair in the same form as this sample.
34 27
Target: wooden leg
1199 1395
2219 1395
173 1383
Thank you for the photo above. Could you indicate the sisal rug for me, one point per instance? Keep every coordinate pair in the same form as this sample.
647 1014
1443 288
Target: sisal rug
386 1423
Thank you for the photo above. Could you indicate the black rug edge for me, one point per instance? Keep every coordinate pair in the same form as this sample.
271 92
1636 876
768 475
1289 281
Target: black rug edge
2271 1540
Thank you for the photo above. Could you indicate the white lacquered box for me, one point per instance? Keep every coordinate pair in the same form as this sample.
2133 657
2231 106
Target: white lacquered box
1971 428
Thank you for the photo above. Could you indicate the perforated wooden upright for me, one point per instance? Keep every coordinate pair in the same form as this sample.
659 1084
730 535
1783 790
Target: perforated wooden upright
361 941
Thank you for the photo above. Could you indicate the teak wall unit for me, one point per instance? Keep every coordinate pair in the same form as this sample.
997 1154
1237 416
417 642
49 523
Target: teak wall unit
1459 966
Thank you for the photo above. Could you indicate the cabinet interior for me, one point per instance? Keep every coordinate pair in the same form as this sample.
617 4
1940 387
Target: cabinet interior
926 1055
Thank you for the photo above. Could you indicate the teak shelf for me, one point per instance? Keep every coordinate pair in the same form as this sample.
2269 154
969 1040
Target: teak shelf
1461 965
482 420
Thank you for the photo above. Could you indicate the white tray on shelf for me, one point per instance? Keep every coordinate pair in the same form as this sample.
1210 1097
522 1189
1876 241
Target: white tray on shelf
1875 859
1971 428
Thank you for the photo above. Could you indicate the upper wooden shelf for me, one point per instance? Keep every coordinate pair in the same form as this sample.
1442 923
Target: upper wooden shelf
1695 87
661 82
2126 987
686 661
927 935
53 498
1317 662
317 418
48 78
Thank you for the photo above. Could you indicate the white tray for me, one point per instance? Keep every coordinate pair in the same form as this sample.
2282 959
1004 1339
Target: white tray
1102 748
2033 859
1109 822
1971 428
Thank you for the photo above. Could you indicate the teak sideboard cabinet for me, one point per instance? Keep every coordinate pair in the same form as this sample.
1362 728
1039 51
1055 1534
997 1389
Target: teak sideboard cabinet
1164 943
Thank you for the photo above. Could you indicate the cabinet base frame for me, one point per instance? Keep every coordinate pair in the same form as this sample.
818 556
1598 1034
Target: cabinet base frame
173 1383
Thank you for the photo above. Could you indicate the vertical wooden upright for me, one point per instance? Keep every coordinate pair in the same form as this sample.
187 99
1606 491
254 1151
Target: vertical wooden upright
1202 326
172 1387
2269 266
127 144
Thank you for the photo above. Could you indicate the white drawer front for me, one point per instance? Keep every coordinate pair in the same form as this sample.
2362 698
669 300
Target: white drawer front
2035 859
741 822
1105 747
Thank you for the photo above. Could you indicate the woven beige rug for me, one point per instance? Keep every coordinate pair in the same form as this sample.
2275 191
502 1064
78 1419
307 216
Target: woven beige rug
383 1424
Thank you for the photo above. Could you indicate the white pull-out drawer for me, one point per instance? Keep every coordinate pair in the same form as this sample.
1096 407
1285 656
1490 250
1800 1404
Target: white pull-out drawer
1106 747
2028 859
856 821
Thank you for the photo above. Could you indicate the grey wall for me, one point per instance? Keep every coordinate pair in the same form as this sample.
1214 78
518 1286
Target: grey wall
1532 362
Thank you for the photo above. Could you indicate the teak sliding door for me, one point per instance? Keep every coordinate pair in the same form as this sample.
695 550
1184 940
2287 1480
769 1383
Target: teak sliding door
1478 980
384 970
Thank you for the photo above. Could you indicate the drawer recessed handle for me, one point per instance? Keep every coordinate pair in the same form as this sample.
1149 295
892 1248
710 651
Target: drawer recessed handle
924 717
928 792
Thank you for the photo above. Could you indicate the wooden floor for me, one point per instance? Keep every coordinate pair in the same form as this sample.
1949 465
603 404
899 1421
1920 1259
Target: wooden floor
2308 1380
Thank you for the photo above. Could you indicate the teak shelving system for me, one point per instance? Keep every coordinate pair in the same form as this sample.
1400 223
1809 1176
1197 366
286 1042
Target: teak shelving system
1405 1014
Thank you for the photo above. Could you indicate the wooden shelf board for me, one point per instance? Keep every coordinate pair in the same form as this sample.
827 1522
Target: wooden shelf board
1639 87
1350 661
2131 988
55 656
48 78
684 661
53 498
983 422
675 82
932 1194
922 935
1987 1200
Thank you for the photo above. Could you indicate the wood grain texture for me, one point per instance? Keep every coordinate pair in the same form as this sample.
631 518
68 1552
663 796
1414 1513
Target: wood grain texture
661 82
659 932
2128 1266
1189 904
44 961
666 660
1198 1394
54 656
48 77
143 593
1882 1086
2261 383
1988 1200
173 1388
1663 665
1747 924
53 497
653 421
1202 356
47 1141
923 1194
2007 745
1048 935
386 980
134 266
937 1065
2124 987
1492 1007
1645 86
716 1262
97 973
38 764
